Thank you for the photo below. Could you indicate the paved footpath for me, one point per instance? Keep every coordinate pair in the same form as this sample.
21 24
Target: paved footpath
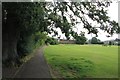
36 67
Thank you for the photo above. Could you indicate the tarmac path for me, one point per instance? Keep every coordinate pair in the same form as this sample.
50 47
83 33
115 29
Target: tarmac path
36 67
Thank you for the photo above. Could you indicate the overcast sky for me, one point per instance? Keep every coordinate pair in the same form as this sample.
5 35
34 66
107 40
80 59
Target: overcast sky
112 13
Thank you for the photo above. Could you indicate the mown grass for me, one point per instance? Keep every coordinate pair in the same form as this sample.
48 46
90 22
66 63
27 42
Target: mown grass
73 61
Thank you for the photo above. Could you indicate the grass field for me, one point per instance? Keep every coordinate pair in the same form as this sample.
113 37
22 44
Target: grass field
72 61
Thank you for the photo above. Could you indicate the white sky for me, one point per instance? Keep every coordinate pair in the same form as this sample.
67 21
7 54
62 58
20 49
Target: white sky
112 13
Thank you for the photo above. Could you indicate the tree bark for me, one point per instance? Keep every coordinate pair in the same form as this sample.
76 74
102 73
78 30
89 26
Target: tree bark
10 37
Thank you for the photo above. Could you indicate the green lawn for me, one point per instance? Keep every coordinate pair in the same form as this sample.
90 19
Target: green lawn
93 61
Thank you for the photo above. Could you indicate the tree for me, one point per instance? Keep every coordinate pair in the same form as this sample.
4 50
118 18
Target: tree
82 10
51 41
110 43
81 40
94 40
21 21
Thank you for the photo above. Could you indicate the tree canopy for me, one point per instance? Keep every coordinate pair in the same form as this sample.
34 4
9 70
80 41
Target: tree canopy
24 21
94 40
85 13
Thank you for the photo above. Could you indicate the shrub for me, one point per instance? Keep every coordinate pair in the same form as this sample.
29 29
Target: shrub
51 41
81 40
27 44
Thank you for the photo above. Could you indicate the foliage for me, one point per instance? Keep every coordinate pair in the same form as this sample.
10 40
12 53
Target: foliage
94 40
27 44
110 43
34 15
96 12
100 42
22 21
51 41
81 40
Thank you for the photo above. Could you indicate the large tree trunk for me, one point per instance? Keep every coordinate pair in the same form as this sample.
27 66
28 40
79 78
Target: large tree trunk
10 36
9 46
